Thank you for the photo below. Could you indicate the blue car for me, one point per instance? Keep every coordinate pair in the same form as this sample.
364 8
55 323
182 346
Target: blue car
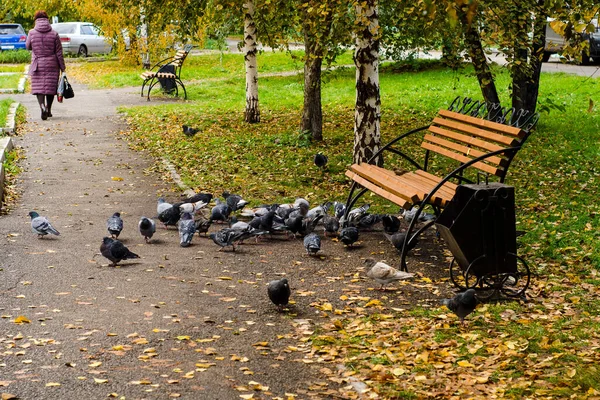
12 37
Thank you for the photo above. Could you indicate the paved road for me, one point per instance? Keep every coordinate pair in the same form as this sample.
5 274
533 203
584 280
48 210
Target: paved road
174 323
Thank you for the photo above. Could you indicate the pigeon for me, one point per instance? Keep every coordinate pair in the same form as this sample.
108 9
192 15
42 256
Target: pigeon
234 201
349 235
202 225
227 237
41 225
398 238
115 251
320 160
244 226
319 210
300 201
300 210
189 131
408 215
294 224
220 212
192 208
312 244
367 221
339 209
309 224
147 228
264 222
205 197
168 213
114 225
391 224
383 273
279 292
462 304
331 224
187 228
355 215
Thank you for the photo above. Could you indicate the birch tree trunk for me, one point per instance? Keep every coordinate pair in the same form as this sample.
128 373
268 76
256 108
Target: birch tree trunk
252 112
367 114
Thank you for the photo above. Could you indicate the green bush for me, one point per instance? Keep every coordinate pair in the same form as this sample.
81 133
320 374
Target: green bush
15 57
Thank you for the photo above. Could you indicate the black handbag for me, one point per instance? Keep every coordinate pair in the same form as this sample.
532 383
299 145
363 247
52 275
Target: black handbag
67 89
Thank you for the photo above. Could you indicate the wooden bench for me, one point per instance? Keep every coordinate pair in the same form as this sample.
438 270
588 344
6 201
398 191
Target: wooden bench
472 136
166 70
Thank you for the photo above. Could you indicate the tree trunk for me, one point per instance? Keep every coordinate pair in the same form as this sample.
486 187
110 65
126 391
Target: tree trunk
252 112
482 69
312 113
367 114
526 82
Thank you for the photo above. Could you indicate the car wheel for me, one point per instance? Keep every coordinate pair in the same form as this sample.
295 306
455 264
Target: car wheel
82 52
585 58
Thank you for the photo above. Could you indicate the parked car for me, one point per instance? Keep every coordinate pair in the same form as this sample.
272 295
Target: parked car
82 38
12 37
555 43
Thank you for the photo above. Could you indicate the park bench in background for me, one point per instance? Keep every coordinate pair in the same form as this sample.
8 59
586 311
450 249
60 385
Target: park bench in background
473 137
167 73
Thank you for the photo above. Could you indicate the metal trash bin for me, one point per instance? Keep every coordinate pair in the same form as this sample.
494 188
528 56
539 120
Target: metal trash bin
168 85
479 227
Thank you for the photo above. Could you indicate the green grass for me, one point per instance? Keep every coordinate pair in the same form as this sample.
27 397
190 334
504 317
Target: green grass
10 81
4 106
15 57
207 67
12 68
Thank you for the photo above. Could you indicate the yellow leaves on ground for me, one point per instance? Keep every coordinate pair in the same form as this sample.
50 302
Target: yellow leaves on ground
21 320
116 178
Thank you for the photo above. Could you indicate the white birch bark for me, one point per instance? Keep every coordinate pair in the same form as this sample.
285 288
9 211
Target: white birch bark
367 114
252 112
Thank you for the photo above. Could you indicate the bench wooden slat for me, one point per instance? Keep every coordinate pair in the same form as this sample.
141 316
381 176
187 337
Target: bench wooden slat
462 149
472 130
447 191
379 191
407 185
388 182
483 123
468 140
426 175
463 159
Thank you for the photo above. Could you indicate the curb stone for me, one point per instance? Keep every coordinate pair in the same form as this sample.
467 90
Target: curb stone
6 145
9 128
21 87
177 179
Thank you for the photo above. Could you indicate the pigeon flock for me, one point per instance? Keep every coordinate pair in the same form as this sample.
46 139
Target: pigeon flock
298 219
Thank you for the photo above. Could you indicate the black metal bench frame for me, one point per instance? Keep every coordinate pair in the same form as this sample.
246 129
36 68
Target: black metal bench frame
153 76
521 119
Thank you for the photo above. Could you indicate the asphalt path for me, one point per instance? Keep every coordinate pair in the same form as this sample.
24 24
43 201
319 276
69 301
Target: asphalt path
192 323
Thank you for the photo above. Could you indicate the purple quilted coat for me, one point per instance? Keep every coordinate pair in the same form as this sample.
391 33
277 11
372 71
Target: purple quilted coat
46 58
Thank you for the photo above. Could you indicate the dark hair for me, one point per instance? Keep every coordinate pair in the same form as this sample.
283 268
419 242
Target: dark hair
40 14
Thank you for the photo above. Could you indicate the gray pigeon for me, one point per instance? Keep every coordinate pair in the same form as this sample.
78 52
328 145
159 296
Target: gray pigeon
312 244
220 212
331 224
234 201
147 228
41 225
202 224
187 228
192 208
204 197
309 224
228 237
115 251
367 221
462 304
398 238
391 224
339 209
383 273
319 210
349 235
279 292
168 213
355 215
114 224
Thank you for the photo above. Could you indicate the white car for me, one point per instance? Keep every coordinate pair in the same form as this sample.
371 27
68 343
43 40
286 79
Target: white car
82 38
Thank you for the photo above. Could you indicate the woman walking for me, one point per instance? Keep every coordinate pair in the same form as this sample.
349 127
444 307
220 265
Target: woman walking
46 62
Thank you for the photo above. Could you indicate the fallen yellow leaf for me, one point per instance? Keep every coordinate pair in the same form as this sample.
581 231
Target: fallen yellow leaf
21 320
116 178
52 384
99 381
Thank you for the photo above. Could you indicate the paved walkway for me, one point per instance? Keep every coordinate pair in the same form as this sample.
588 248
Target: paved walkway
193 324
